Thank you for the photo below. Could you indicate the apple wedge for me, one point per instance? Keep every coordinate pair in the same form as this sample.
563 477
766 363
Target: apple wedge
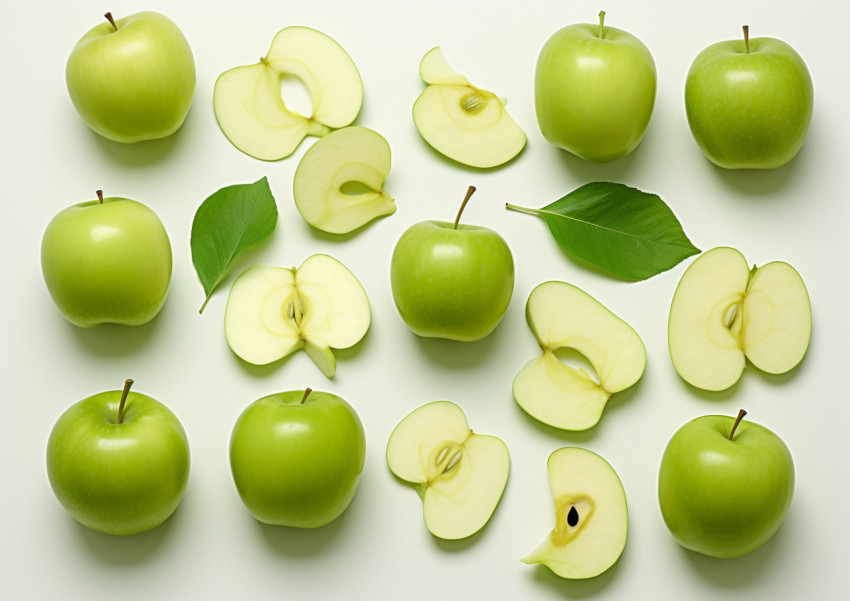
463 122
591 516
251 112
338 185
563 316
723 312
273 311
460 475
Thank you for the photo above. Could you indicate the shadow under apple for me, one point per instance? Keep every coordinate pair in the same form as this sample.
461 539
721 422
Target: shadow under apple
457 355
114 340
303 542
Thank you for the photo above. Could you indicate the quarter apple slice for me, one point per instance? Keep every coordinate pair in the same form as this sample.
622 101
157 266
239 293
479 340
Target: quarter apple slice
723 312
251 112
563 316
463 122
459 474
338 185
273 312
591 515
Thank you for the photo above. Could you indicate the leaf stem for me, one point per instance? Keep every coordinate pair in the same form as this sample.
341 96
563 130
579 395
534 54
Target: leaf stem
127 383
747 38
108 17
738 419
520 209
469 193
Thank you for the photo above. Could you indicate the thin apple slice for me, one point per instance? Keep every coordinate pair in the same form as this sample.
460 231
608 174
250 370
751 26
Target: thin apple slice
459 474
338 185
563 316
591 516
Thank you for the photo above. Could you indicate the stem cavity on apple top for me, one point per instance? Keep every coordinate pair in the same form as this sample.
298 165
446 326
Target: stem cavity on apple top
307 392
127 384
100 196
469 193
601 24
108 17
738 419
747 39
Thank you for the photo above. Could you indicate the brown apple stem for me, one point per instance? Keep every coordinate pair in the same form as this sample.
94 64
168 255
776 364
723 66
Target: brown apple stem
100 196
109 18
741 415
307 392
127 383
601 23
469 193
747 38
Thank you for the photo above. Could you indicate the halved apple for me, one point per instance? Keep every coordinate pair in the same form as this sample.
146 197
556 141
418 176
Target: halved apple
338 185
591 515
251 112
273 311
563 316
460 475
463 122
723 312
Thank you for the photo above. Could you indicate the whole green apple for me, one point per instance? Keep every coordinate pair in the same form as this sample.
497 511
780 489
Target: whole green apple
594 89
749 102
451 280
118 461
724 485
296 457
132 79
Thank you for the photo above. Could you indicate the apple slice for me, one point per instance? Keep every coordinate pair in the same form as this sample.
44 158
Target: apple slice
463 122
251 112
273 311
723 313
338 185
591 515
563 316
459 474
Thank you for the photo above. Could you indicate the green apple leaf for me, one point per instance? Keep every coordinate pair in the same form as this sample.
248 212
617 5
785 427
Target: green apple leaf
620 230
231 221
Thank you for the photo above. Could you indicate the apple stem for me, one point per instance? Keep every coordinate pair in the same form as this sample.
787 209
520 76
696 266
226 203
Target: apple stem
469 193
601 23
100 196
127 383
307 392
741 415
747 38
109 18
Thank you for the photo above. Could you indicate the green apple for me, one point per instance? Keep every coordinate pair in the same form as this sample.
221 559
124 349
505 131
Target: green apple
563 316
118 461
749 102
459 474
724 485
461 121
132 79
591 516
451 280
273 311
251 112
724 312
338 185
296 457
107 261
594 89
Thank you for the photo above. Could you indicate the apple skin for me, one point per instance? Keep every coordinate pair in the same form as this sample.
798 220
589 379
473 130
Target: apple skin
134 83
107 262
451 283
297 463
749 110
722 497
594 95
118 478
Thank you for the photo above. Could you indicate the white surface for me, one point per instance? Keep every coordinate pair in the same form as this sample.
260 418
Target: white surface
212 549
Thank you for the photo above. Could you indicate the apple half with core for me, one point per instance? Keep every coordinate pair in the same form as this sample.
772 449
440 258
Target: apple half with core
459 474
118 461
749 102
296 457
724 485
594 90
338 185
591 516
273 311
251 112
107 261
132 79
451 280
724 312
463 122
562 316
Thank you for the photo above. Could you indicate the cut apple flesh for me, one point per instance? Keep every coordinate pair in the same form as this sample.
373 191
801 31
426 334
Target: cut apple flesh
591 515
723 313
563 316
273 311
338 185
460 475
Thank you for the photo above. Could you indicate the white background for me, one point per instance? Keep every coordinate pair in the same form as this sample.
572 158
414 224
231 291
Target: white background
212 548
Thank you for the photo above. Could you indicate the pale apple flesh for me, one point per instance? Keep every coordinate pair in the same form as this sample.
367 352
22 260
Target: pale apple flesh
460 475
